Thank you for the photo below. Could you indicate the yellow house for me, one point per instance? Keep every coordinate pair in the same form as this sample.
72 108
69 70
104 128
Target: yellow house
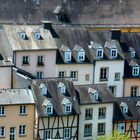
16 114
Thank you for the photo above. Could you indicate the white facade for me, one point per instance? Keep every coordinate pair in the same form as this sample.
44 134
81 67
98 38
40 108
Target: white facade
48 68
113 67
108 120
84 72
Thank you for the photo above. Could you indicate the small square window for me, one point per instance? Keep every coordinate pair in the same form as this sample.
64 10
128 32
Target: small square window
22 130
134 91
102 113
88 113
88 130
101 129
74 75
117 76
87 77
61 74
23 110
68 108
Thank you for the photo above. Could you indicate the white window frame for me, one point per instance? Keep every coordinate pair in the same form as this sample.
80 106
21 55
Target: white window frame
99 53
2 131
67 56
68 108
74 75
25 59
47 134
37 35
134 91
87 130
135 71
44 90
120 125
67 133
133 54
22 35
138 127
49 109
113 53
23 110
125 109
2 110
117 76
12 134
22 130
39 75
81 55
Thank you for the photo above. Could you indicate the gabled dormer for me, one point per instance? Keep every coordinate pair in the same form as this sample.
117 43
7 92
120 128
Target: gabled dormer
135 70
48 107
124 107
94 93
79 53
99 53
67 105
113 53
66 53
62 88
22 35
37 35
43 89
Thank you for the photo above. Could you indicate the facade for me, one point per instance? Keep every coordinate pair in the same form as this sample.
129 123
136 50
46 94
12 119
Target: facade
126 116
17 112
96 104
58 109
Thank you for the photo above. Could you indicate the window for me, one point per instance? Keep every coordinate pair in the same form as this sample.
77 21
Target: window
96 97
39 75
88 130
22 35
67 132
81 56
49 109
113 53
2 131
135 71
113 90
125 109
12 133
99 53
121 128
68 108
2 110
134 91
37 35
62 88
22 130
47 134
101 129
88 113
61 74
23 110
74 75
133 54
138 127
87 77
102 113
40 60
117 76
103 74
25 60
67 56
44 90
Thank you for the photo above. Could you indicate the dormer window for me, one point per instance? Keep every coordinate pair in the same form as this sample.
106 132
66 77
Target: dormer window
113 53
133 54
99 53
49 109
43 89
125 109
94 92
67 105
96 96
62 88
81 55
22 35
37 35
67 55
135 71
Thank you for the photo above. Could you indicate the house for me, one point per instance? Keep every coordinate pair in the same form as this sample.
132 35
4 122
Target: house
96 104
30 47
58 109
126 116
17 114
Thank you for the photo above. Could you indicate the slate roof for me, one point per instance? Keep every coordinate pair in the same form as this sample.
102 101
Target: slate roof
133 110
55 97
86 97
16 96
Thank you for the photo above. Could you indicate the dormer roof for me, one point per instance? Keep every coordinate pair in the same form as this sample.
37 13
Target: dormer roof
64 48
65 101
95 45
77 48
46 103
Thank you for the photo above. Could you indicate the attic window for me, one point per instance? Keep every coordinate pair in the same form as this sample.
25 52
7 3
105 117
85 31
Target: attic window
49 109
81 55
22 35
67 105
96 96
99 53
94 92
62 88
67 55
133 54
43 89
37 35
124 107
135 71
113 53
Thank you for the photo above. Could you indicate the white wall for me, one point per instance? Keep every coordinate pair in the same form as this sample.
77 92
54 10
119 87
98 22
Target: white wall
114 66
82 69
49 62
94 121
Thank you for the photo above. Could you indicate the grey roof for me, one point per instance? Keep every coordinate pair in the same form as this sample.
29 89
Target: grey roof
78 11
55 97
16 96
86 97
133 109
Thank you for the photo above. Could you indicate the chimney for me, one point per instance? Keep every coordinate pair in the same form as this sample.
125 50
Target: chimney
47 25
116 35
